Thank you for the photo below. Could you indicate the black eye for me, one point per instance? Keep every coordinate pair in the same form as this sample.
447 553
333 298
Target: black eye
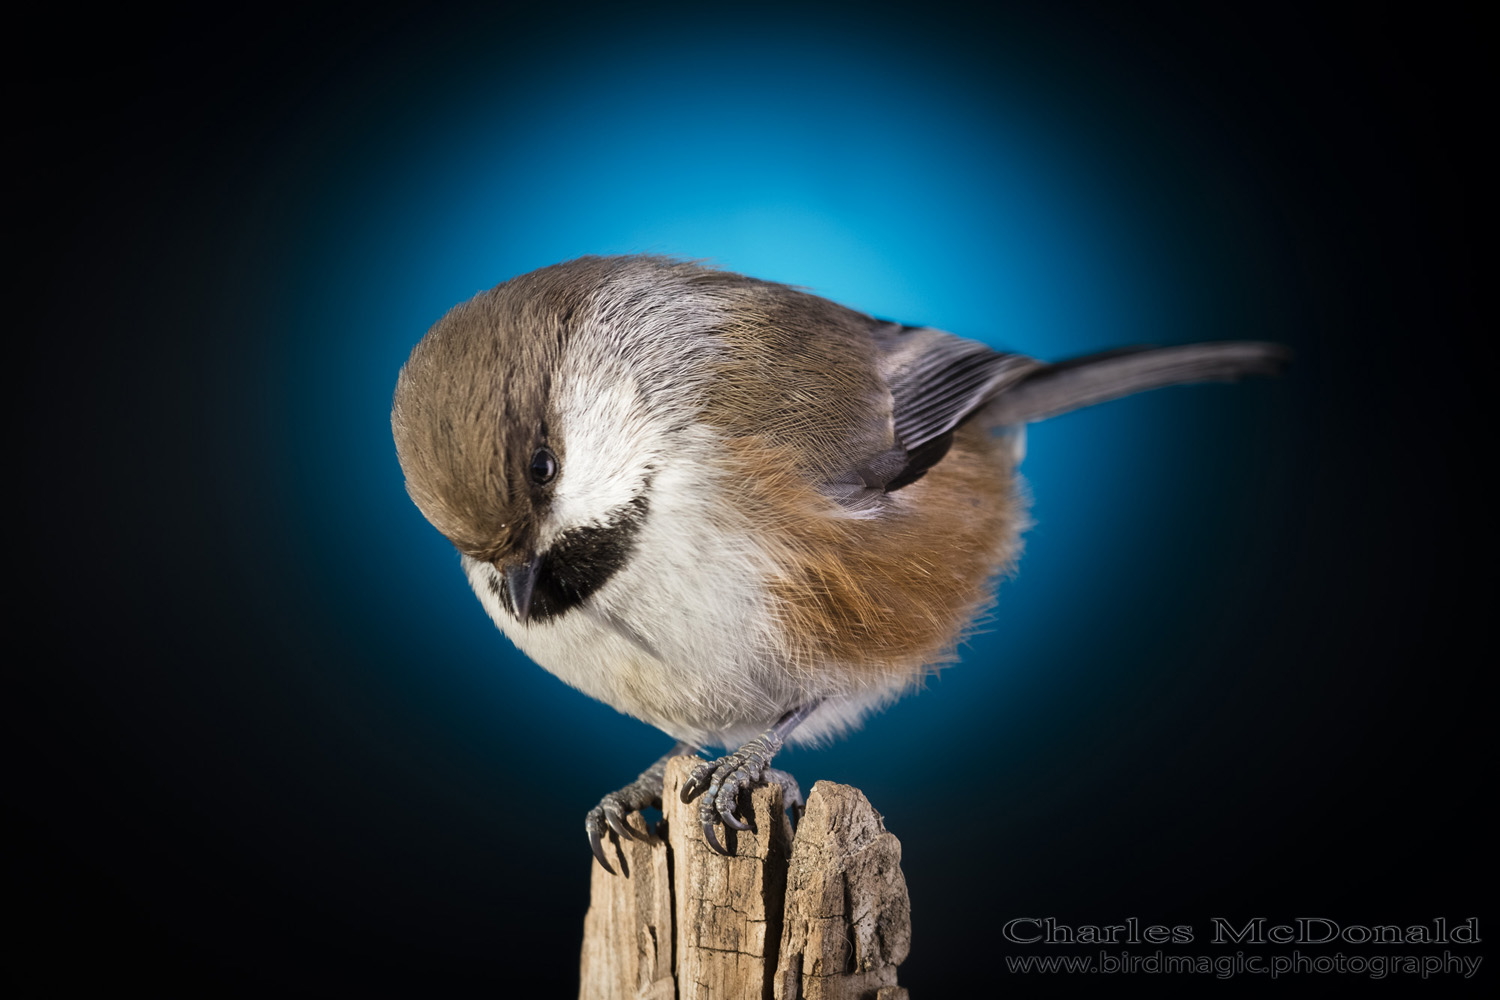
543 466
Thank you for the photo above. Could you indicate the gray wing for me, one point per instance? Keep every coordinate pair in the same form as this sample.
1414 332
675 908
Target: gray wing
936 381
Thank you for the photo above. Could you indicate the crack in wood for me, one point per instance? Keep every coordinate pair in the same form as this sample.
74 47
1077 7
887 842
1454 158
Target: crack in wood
822 916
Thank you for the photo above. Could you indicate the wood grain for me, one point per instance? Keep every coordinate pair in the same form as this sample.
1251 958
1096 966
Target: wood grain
823 915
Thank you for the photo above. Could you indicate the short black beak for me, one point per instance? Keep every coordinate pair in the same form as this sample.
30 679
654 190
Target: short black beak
520 580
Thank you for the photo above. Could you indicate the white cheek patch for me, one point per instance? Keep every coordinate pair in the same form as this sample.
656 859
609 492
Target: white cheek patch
609 448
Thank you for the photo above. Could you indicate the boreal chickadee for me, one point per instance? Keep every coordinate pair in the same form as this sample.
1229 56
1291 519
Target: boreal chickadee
732 509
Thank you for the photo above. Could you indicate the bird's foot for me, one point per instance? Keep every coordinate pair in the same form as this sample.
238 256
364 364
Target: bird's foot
721 781
608 817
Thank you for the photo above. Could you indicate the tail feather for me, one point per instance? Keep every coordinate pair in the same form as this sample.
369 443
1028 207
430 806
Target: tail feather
1097 378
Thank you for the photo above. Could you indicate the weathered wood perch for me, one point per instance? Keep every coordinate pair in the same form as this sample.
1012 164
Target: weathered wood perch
822 916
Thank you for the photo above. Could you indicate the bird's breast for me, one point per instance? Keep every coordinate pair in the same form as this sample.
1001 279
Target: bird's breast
745 592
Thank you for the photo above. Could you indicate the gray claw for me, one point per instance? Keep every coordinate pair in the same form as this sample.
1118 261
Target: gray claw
720 783
596 843
612 810
749 765
713 841
616 821
727 801
695 784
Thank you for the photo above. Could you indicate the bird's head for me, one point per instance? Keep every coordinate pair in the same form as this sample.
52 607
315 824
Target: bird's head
526 435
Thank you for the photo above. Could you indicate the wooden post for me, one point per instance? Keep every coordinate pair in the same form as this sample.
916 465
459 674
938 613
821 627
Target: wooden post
823 915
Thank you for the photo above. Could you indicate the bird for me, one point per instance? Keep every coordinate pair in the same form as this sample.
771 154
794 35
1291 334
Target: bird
728 507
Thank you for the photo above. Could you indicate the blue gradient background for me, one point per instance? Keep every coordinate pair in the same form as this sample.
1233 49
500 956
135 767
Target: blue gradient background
321 765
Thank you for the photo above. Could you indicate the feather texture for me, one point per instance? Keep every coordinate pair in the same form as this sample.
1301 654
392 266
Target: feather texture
1052 390
762 499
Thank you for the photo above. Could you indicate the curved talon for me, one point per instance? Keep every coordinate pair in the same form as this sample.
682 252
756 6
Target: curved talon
727 801
596 843
694 786
725 778
613 811
617 823
749 821
713 841
720 783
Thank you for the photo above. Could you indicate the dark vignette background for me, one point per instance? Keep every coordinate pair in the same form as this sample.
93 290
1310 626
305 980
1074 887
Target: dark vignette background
266 742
